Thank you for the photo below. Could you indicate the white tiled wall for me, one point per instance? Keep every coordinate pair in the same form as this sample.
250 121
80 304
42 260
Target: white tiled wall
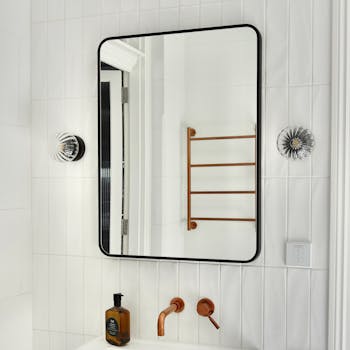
265 305
15 178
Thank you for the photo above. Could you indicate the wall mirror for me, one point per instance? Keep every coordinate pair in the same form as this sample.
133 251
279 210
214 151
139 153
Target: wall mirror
179 154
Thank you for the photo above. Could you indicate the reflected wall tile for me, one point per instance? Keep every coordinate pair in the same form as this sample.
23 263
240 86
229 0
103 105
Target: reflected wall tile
129 5
39 10
57 341
92 8
252 307
275 309
111 6
41 340
298 306
169 3
148 4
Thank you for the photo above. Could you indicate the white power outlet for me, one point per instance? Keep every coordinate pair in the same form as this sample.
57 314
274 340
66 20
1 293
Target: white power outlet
298 254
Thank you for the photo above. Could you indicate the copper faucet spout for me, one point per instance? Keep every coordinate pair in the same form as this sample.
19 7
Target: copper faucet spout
176 305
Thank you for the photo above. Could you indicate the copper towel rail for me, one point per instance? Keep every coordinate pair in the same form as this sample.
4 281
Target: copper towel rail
191 221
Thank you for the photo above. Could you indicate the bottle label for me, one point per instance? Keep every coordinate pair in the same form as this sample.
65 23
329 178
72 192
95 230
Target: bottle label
112 327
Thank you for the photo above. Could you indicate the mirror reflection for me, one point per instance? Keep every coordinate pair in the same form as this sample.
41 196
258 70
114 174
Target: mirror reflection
179 145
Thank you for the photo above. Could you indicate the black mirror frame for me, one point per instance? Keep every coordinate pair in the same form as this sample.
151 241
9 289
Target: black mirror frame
258 148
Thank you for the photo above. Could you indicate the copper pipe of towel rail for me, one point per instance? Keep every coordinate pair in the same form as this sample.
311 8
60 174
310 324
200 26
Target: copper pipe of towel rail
190 133
223 192
224 219
223 137
176 305
222 164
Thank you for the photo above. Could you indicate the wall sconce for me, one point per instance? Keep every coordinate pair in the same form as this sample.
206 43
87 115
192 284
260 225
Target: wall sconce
295 143
70 148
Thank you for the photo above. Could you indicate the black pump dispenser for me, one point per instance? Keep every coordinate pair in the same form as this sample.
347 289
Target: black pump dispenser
118 299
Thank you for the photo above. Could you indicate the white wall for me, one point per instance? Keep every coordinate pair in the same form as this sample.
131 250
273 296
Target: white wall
264 305
16 244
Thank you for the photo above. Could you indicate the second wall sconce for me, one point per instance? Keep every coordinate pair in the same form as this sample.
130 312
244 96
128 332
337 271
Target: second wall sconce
70 148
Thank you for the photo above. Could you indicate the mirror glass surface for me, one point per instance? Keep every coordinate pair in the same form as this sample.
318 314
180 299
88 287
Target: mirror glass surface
179 155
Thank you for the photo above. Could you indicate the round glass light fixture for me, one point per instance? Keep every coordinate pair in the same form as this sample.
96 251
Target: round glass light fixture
69 148
295 143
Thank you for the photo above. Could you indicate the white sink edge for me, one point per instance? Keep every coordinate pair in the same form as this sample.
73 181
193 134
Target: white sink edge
140 344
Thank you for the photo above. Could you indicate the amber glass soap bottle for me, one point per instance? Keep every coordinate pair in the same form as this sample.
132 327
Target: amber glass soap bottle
117 323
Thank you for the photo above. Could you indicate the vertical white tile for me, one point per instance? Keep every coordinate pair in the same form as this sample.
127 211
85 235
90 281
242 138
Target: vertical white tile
149 21
57 216
252 307
319 310
275 225
300 42
109 25
300 115
39 140
40 215
74 216
130 288
92 7
299 216
275 309
276 42
209 277
110 282
55 59
210 15
74 341
110 6
298 309
40 292
231 12
55 10
230 286
93 315
168 289
39 10
148 4
148 301
39 60
129 23
168 3
189 2
189 17
275 121
57 293
75 294
73 8
41 340
320 222
168 19
57 341
73 58
129 5
254 13
189 292
322 48
321 128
